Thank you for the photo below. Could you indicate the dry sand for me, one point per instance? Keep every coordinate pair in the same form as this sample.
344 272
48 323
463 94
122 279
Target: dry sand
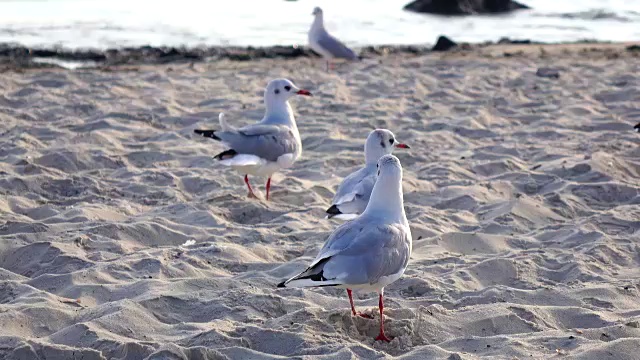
522 193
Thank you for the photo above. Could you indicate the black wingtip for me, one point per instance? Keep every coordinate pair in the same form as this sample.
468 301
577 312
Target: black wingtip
281 285
333 211
637 127
207 133
227 154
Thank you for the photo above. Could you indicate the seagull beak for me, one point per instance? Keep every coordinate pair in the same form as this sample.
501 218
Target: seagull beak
403 146
304 92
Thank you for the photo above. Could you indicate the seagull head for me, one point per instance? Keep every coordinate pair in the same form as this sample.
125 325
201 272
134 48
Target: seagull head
316 11
381 142
281 90
389 167
386 197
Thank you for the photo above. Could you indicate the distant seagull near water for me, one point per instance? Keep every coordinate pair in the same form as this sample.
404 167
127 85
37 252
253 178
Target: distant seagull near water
353 193
326 45
268 146
369 252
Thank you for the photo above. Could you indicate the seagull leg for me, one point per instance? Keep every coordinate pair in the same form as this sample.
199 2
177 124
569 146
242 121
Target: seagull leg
246 181
268 187
353 308
382 336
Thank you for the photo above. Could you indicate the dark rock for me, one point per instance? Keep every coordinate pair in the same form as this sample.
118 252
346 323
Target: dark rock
444 44
548 73
464 7
633 48
381 50
506 40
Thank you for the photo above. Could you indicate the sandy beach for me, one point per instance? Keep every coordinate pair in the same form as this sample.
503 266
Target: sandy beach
121 238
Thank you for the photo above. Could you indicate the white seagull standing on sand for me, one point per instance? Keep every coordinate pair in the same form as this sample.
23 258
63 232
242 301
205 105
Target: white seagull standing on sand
326 45
369 252
353 193
268 146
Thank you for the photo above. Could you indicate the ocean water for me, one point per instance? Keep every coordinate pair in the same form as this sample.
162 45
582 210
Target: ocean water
116 23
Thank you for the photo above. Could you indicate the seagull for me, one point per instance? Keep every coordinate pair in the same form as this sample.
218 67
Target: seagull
637 127
326 45
370 252
353 193
268 146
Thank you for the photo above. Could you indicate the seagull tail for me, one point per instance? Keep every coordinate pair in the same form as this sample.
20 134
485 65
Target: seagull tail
207 133
637 127
333 211
312 277
224 126
307 283
227 154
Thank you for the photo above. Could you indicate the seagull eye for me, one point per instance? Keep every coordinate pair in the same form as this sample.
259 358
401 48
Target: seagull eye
277 91
288 88
391 141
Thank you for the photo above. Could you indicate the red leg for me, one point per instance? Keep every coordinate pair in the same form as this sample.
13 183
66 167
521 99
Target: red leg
382 336
268 187
246 181
353 308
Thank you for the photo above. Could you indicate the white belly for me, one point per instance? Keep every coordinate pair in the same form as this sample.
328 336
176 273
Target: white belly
381 283
262 167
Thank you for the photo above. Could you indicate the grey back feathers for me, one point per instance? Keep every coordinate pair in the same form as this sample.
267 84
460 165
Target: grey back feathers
334 46
266 141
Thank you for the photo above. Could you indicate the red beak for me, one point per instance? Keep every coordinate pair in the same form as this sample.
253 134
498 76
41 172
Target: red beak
304 92
403 146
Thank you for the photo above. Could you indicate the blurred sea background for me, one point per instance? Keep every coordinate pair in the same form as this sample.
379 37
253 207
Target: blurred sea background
101 24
